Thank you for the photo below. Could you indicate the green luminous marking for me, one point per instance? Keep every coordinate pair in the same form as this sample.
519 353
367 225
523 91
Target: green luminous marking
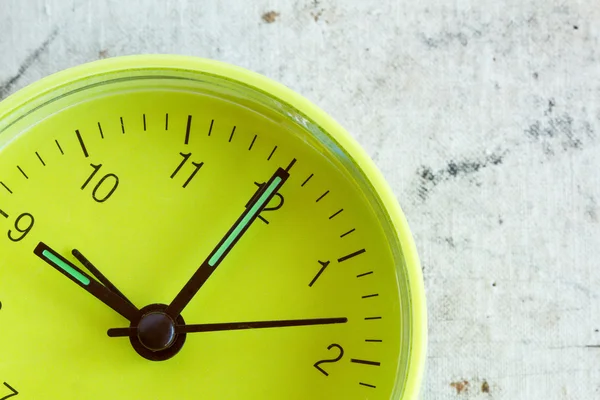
66 267
240 227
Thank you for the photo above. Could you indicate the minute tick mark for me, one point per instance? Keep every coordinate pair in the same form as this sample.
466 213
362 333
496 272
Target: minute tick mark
59 148
368 296
323 195
23 172
100 129
349 256
40 158
252 144
85 152
332 216
232 132
364 274
187 129
212 121
5 215
144 117
6 187
271 155
373 340
371 318
122 125
367 385
307 179
347 233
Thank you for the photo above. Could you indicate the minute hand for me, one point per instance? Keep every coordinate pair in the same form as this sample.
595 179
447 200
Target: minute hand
257 203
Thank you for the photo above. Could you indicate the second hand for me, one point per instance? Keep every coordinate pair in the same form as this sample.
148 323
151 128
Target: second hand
230 326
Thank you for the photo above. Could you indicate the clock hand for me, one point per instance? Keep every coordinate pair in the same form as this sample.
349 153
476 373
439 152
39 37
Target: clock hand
230 326
101 292
254 207
97 274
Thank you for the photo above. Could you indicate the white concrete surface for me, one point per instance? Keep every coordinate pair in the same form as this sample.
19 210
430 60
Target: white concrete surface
484 116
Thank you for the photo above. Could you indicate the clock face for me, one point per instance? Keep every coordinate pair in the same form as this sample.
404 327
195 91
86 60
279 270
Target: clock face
177 234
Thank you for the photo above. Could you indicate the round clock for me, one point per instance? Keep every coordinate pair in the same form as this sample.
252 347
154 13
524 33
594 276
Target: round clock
180 228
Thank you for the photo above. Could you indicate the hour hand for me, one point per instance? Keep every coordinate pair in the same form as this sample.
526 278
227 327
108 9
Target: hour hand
114 300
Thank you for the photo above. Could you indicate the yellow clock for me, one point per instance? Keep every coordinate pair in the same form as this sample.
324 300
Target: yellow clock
180 228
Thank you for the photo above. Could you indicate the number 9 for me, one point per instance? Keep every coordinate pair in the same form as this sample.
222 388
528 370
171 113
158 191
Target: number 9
23 227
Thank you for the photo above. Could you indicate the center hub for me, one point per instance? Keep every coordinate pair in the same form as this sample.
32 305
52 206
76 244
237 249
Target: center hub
157 338
156 331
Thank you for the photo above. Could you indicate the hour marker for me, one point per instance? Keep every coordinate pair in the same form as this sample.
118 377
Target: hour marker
347 233
307 179
336 213
368 296
231 136
122 125
366 384
5 215
356 253
373 340
271 155
6 187
59 148
23 172
40 158
358 361
252 144
364 274
211 125
144 117
187 129
167 122
85 152
323 195
371 318
100 129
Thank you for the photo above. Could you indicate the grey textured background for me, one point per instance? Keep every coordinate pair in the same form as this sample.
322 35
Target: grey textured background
483 115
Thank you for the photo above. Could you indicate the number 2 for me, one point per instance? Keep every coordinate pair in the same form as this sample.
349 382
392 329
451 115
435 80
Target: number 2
14 392
332 360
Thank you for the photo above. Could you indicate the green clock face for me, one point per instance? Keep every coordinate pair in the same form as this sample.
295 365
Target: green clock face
181 228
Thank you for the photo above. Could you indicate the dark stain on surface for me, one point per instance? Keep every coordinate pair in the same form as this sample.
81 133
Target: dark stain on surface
551 105
591 210
6 87
316 15
103 54
429 179
485 387
559 131
270 17
536 75
461 386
